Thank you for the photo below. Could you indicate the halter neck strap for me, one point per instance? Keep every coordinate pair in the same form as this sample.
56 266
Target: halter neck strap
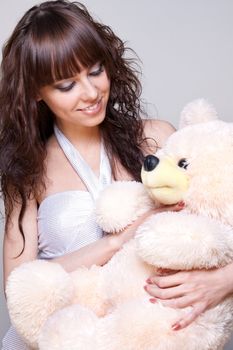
92 182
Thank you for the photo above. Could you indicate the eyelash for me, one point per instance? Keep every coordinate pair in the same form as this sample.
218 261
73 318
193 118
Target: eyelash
66 88
95 73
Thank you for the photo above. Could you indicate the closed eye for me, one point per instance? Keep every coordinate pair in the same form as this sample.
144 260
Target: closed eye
96 71
66 86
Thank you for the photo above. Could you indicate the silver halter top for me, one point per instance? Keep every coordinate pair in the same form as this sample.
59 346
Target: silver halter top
66 220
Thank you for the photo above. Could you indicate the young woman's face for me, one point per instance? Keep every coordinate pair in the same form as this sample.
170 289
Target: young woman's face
80 100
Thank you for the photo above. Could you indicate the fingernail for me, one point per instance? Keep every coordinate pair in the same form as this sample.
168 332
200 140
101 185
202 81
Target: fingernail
176 327
148 281
153 300
181 204
145 287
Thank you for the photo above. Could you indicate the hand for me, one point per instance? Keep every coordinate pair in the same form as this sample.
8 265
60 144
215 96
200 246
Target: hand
201 289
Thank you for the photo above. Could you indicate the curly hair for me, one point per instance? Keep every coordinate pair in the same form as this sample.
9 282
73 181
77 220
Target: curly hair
54 41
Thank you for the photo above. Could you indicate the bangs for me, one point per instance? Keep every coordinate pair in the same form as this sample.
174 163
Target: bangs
62 48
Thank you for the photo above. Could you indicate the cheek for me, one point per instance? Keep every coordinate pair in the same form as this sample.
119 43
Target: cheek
107 88
60 102
105 83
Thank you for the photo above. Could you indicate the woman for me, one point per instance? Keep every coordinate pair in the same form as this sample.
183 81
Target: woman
70 124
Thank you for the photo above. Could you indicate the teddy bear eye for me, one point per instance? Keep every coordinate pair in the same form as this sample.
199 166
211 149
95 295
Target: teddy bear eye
183 163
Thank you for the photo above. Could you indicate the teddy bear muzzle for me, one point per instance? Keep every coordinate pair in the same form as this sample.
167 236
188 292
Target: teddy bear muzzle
164 179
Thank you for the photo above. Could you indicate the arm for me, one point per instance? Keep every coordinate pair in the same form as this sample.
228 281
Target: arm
101 251
96 253
13 241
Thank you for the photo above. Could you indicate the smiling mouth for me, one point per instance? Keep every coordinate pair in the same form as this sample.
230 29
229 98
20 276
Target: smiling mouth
91 107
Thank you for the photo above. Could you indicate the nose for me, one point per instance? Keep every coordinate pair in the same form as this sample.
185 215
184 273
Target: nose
150 163
89 90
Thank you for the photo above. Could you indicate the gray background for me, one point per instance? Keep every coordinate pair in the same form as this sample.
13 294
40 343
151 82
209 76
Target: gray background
186 49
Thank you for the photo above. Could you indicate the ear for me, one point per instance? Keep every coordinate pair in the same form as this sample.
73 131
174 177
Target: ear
197 111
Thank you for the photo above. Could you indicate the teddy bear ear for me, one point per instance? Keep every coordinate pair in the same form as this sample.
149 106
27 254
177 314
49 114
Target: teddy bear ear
197 111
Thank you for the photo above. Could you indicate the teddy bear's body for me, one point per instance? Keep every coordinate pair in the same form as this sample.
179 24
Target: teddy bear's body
106 308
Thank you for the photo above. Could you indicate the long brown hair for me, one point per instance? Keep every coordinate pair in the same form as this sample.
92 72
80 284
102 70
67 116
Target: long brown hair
51 42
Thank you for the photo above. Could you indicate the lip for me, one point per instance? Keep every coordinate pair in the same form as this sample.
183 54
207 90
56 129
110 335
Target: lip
93 108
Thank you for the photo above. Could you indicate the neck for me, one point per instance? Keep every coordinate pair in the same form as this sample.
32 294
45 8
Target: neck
80 136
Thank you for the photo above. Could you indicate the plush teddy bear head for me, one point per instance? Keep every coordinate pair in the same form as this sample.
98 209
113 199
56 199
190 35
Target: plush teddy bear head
196 165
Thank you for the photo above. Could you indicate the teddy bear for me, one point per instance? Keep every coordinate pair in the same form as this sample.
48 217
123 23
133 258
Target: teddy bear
107 308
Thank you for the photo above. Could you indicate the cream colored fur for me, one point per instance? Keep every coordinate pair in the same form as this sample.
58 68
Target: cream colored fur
106 308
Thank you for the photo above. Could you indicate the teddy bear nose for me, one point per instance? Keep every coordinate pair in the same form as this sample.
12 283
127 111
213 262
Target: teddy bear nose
150 163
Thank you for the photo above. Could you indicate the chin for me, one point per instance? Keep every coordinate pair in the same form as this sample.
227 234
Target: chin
95 120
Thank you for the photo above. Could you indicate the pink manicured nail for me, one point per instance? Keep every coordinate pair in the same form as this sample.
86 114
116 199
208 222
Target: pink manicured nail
153 300
145 287
181 204
176 327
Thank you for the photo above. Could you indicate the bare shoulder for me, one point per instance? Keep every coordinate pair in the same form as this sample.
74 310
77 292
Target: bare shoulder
159 130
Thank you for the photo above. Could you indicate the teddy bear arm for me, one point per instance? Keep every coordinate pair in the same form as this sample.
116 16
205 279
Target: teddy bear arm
120 204
183 241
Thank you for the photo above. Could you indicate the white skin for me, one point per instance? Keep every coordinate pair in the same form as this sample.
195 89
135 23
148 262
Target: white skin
79 104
